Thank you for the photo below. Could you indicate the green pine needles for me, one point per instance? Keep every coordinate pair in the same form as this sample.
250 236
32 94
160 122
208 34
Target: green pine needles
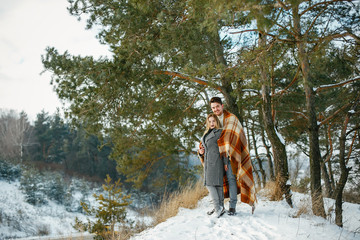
109 214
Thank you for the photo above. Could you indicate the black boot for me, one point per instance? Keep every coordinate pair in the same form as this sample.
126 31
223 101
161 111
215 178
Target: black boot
231 212
211 212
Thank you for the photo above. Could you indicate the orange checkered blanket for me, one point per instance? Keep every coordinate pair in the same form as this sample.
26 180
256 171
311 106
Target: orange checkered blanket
233 143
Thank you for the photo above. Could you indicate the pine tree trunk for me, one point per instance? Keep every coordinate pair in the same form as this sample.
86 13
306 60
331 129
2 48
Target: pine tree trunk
325 174
344 171
313 127
278 147
268 155
226 81
259 161
326 179
332 180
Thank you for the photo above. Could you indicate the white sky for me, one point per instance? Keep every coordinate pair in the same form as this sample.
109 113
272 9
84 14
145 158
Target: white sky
26 29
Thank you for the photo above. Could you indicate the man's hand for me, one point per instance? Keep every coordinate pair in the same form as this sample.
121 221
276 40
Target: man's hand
201 150
226 168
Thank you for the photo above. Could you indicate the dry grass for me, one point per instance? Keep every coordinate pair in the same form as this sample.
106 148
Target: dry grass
187 197
304 208
272 191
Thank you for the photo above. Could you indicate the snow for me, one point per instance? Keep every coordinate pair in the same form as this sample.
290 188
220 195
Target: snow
19 219
271 220
280 137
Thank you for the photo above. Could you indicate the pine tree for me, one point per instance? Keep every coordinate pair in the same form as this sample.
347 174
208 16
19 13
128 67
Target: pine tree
43 136
110 213
33 185
58 133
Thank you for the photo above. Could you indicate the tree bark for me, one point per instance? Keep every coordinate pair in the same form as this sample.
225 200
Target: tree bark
326 179
268 154
259 161
344 173
226 82
344 170
313 127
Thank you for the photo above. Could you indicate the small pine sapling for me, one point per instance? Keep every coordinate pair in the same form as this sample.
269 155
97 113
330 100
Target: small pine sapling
110 212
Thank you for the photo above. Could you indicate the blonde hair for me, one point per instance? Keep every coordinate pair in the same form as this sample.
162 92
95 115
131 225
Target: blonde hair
217 126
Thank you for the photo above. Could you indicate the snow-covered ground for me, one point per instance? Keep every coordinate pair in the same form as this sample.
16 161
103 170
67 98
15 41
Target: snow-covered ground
19 219
271 220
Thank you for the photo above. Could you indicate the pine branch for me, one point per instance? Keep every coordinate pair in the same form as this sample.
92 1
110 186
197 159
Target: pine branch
313 22
283 5
298 113
291 83
321 3
196 95
332 116
351 146
192 79
265 33
324 87
336 35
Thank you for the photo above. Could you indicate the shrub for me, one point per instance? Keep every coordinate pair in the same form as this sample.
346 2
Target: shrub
8 171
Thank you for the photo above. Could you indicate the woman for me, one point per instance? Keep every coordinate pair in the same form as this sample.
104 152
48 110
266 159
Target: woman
214 166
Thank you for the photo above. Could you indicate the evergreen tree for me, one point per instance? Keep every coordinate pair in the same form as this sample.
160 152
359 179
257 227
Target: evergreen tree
9 171
43 136
109 214
58 132
33 185
55 187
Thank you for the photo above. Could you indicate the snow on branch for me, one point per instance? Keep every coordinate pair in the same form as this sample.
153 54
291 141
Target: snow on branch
324 87
257 92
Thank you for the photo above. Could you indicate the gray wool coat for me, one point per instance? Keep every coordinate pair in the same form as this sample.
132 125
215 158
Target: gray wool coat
213 164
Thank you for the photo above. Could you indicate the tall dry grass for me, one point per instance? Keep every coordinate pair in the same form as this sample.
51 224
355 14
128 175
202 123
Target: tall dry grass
187 197
272 191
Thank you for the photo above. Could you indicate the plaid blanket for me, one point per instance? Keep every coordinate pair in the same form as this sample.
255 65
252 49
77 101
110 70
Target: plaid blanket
233 143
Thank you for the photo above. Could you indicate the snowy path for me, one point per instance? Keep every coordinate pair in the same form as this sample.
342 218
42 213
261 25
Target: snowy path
271 221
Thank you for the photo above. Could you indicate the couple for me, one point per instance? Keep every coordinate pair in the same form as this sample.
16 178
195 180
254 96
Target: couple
227 166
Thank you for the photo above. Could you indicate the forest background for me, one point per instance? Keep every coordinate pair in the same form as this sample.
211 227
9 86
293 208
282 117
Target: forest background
289 70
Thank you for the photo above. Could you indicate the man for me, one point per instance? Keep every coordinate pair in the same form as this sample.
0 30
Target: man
233 144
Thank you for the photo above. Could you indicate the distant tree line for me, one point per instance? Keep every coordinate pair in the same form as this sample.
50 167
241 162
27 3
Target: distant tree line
29 150
50 142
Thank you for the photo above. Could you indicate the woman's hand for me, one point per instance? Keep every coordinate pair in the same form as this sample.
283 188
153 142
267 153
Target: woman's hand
226 168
